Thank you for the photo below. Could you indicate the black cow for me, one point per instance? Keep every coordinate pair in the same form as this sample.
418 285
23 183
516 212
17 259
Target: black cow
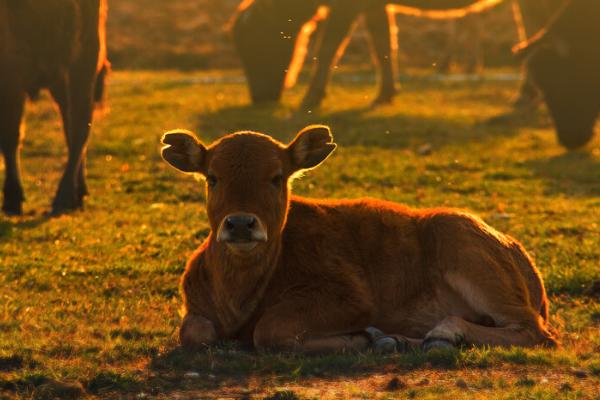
268 33
564 61
59 45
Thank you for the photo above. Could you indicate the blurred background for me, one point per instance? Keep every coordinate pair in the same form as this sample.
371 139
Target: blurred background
193 34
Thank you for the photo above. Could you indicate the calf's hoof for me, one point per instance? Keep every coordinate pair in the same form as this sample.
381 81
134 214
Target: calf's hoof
384 344
437 343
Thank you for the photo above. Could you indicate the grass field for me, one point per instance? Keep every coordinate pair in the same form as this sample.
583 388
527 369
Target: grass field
89 301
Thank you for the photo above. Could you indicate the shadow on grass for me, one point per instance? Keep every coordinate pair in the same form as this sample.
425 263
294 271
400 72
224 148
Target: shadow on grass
232 372
575 174
237 369
360 127
571 173
9 225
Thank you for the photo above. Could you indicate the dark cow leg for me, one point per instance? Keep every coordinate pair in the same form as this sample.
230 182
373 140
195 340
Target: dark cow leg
379 27
534 15
11 112
77 109
82 189
335 33
60 92
528 96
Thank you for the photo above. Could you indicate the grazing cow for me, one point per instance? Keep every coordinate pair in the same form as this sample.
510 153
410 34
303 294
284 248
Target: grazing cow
463 48
59 45
290 273
564 61
271 38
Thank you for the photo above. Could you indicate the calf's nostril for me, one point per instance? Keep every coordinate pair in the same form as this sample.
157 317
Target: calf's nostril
240 223
229 224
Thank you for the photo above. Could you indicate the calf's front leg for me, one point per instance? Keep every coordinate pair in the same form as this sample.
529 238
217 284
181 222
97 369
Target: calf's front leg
319 322
196 332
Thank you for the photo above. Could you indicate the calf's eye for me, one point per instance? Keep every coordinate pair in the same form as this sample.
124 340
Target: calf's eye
277 180
211 180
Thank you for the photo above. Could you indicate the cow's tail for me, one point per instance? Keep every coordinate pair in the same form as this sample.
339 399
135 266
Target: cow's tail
100 88
442 9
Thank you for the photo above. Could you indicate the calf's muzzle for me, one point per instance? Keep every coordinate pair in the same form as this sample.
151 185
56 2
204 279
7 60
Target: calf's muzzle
241 231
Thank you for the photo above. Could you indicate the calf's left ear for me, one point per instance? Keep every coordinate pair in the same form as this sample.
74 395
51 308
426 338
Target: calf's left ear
184 151
311 147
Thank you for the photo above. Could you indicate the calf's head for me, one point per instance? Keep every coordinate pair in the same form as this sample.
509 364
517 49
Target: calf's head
247 177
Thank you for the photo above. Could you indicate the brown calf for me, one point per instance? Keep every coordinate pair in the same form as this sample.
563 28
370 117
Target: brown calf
285 272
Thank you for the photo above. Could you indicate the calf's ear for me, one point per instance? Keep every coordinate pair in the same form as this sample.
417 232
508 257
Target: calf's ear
183 151
311 147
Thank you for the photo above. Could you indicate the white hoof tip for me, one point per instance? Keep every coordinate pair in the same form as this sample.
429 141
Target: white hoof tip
432 344
374 333
385 345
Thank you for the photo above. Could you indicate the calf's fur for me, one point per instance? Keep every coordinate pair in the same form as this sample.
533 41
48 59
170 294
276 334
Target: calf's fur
331 268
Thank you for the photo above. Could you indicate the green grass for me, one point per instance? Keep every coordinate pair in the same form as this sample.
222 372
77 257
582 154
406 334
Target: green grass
89 301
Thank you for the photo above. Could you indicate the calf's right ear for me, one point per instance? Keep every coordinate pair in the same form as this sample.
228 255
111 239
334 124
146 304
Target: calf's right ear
184 151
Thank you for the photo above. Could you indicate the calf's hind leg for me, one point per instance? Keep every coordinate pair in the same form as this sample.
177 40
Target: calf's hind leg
11 111
516 310
454 331
493 279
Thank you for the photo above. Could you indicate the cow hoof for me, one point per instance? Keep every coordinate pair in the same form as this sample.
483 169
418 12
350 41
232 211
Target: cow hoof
382 343
13 200
60 205
12 210
437 343
382 100
385 345
58 209
309 104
